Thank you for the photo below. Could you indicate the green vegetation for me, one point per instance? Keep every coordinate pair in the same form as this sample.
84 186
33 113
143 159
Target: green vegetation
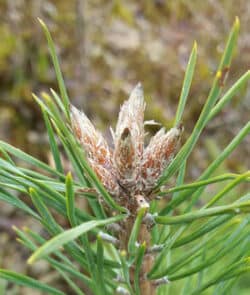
199 238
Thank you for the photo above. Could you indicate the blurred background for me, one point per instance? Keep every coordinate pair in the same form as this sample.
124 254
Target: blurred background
105 48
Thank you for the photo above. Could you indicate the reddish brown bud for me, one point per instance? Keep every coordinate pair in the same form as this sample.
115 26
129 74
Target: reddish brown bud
158 154
130 173
92 141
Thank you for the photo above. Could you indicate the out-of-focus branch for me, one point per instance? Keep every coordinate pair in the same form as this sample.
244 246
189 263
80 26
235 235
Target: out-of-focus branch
82 66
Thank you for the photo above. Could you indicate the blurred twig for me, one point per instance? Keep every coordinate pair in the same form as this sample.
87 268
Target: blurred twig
82 73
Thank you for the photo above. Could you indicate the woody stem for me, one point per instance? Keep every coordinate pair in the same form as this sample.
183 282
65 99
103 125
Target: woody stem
146 286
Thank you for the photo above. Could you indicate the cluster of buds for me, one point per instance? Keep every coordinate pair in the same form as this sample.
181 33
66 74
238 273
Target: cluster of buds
130 171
